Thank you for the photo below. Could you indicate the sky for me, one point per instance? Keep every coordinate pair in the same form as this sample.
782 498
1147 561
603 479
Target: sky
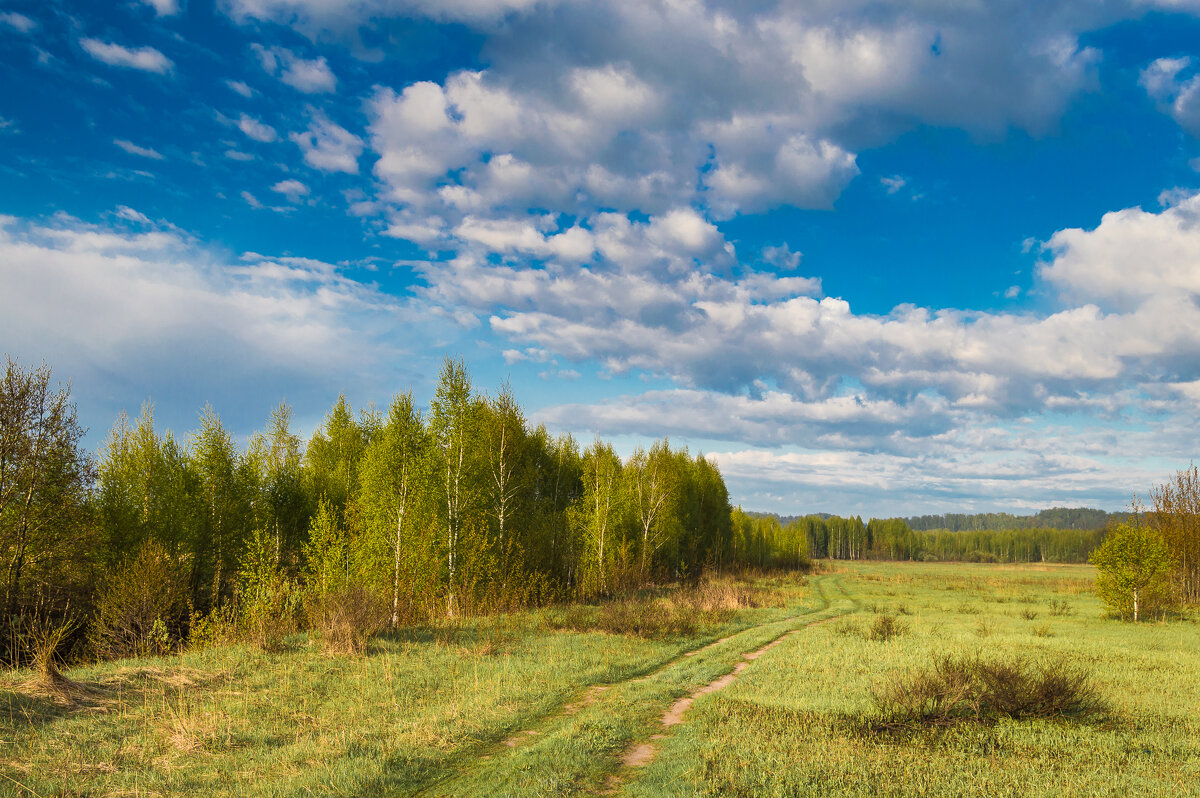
877 258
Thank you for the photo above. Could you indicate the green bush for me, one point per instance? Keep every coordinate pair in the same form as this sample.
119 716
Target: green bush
141 605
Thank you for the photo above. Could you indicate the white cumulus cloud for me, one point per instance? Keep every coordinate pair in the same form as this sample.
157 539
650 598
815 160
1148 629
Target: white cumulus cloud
311 76
146 59
328 146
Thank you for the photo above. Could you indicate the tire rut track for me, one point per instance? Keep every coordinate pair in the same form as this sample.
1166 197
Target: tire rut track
643 753
486 752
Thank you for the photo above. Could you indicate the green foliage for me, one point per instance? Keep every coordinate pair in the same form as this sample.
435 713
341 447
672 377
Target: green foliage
462 510
47 539
1175 515
1134 567
141 604
1076 518
269 601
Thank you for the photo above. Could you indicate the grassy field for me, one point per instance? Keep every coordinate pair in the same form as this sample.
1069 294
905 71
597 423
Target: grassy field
559 701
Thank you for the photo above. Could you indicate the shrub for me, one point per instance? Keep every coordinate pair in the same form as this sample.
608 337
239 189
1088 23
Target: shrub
44 638
269 612
1029 614
347 617
885 627
269 601
968 689
217 627
140 606
1059 607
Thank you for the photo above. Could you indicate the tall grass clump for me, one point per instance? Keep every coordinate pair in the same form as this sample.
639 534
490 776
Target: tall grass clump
885 627
953 690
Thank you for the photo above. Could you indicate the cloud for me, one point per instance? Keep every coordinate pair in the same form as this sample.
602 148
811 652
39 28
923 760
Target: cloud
294 190
1175 94
91 300
621 106
781 257
316 14
147 59
252 201
18 22
133 149
309 76
1133 256
1129 316
237 155
239 87
163 8
131 215
328 146
256 129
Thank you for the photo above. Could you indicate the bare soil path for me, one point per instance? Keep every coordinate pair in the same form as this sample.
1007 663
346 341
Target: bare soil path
491 757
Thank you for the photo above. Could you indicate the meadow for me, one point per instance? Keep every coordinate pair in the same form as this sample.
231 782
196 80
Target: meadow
571 700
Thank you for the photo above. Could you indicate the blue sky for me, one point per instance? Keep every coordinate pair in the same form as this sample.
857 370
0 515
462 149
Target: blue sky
877 258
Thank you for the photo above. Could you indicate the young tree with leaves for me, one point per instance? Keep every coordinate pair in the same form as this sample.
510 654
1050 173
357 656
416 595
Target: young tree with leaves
45 528
223 495
282 507
394 482
651 482
452 424
596 514
1134 566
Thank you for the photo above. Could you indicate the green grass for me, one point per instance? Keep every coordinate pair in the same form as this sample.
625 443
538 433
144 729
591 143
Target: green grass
793 725
236 721
431 712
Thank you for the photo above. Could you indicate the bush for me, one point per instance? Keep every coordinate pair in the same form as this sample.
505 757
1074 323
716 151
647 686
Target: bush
269 601
269 612
1060 607
140 607
347 617
885 628
968 689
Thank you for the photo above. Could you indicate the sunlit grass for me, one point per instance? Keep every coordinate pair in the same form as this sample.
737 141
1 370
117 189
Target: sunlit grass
434 710
236 721
794 724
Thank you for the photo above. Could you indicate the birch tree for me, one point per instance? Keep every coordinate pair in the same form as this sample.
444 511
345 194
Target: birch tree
651 483
508 475
595 514
452 417
215 461
282 504
394 475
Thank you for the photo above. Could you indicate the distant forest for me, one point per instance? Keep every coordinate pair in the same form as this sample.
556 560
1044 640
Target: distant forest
834 537
1054 518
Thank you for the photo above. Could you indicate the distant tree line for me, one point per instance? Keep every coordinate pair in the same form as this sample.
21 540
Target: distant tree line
1083 518
403 515
834 537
